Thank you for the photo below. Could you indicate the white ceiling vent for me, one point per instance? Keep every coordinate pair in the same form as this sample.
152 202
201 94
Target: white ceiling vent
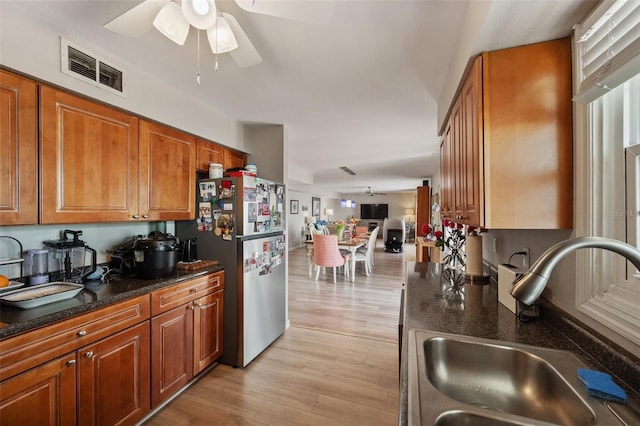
86 66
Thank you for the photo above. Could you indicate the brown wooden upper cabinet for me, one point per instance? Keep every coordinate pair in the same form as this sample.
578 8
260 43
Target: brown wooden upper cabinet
18 150
167 173
506 152
211 152
234 159
98 165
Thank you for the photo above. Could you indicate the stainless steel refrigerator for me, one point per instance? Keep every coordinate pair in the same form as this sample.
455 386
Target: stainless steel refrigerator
241 223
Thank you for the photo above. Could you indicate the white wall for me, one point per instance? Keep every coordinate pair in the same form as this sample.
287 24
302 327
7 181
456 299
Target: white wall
266 144
295 222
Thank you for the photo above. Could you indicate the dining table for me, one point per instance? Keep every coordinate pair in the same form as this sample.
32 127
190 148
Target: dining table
351 244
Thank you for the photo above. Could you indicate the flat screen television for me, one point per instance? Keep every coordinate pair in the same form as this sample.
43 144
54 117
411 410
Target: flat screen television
374 211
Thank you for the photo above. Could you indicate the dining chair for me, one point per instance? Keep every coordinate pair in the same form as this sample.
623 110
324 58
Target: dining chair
326 253
324 230
366 256
313 230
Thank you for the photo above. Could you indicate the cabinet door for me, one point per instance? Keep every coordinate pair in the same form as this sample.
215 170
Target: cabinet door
171 352
207 330
528 136
471 172
44 395
18 150
457 161
446 176
208 152
88 160
113 378
234 159
167 173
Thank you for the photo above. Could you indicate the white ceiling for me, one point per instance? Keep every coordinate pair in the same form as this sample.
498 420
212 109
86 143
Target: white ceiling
359 91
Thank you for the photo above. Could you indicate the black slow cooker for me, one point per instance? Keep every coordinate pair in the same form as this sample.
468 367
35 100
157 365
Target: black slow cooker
156 256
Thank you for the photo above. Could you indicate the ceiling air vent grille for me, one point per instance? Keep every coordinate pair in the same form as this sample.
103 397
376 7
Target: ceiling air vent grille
88 67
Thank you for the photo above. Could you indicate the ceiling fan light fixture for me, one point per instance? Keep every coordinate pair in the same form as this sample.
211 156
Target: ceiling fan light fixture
171 23
221 38
201 14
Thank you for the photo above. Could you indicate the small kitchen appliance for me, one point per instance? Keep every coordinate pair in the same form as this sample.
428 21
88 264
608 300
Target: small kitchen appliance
190 250
156 256
68 256
38 262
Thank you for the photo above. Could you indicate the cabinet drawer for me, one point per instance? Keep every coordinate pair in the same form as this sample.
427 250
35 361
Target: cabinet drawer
170 297
35 347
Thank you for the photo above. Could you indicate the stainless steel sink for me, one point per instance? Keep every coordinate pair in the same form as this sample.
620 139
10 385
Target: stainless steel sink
461 380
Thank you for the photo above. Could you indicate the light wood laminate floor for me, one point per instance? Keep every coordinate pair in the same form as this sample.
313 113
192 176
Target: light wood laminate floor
336 365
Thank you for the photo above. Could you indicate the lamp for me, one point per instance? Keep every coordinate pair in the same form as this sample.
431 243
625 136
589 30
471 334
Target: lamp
171 23
329 213
409 213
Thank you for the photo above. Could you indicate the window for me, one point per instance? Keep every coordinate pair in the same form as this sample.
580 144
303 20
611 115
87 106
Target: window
607 154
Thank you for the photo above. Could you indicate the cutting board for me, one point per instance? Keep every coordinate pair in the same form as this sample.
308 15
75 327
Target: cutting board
192 266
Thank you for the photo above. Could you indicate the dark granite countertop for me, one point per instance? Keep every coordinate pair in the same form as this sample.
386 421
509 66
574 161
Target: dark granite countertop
95 295
445 303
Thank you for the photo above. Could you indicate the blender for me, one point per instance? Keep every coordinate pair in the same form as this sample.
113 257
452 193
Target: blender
38 261
69 254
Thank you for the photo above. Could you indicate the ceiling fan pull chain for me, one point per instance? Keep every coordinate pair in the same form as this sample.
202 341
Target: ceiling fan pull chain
217 34
198 56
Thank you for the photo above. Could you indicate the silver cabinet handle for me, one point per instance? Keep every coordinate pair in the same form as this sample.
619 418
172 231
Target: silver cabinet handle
81 333
88 354
194 290
199 305
145 216
70 362
135 216
192 307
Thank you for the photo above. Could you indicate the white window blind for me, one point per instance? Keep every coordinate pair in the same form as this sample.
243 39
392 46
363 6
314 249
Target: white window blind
609 40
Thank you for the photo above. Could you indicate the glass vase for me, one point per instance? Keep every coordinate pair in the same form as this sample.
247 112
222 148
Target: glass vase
454 258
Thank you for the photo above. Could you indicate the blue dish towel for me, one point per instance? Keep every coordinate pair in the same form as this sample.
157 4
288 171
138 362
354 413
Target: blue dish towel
601 385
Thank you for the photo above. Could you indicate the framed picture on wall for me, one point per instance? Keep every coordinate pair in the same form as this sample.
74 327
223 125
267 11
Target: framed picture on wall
315 206
294 206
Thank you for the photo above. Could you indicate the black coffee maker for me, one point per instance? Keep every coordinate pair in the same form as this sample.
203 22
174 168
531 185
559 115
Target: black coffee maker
68 255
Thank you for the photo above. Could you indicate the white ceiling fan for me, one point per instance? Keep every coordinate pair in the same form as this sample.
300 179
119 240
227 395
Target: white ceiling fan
173 19
370 192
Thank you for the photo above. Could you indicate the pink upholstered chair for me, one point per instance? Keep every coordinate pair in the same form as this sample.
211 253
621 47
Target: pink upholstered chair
326 253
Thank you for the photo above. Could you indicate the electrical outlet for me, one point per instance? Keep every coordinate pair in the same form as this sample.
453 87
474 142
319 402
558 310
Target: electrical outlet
525 258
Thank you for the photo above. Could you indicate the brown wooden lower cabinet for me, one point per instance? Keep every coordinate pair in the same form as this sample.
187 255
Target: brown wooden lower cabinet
188 338
171 352
112 365
207 342
113 378
44 395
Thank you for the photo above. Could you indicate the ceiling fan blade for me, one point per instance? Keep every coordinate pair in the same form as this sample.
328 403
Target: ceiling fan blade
137 20
245 55
300 10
